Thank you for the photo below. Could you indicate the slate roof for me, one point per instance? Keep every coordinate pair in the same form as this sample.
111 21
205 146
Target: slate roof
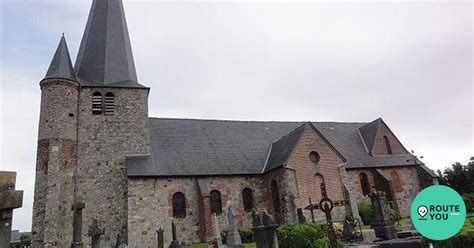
105 55
369 132
281 150
61 65
192 147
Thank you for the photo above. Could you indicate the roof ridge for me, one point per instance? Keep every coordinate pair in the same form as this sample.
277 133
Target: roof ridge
255 121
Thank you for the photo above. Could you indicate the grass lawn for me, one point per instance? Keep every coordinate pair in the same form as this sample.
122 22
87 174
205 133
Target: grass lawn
204 245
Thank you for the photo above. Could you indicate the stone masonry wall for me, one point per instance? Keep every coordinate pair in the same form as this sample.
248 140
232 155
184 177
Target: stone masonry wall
408 180
104 141
56 160
150 206
308 173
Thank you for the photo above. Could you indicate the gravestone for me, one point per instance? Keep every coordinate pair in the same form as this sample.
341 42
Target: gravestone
175 242
301 217
217 232
77 207
160 238
95 232
9 200
233 237
264 227
382 225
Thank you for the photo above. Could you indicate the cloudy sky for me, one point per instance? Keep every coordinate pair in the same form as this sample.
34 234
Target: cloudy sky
407 62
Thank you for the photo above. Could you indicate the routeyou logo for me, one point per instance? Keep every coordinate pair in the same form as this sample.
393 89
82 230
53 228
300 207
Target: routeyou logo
438 212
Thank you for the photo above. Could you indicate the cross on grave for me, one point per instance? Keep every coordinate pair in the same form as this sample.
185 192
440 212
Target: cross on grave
326 205
95 232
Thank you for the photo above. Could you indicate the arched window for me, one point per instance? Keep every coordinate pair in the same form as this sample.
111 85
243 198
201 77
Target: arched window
397 185
364 183
275 196
97 103
247 196
387 145
179 205
216 203
319 179
109 104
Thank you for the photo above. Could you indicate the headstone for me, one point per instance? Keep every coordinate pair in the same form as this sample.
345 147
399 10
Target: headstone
301 217
233 237
217 232
264 227
77 207
175 242
9 200
382 225
160 238
95 232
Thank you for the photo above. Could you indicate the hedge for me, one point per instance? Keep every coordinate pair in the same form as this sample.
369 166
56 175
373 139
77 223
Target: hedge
311 235
246 234
465 238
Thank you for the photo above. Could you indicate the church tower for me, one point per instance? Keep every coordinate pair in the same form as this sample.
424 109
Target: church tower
100 114
56 154
113 120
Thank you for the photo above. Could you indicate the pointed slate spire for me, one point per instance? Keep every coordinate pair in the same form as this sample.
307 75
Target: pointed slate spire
61 65
105 55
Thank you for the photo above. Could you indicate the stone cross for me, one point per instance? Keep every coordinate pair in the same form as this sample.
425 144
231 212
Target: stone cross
383 226
9 200
95 232
217 231
233 237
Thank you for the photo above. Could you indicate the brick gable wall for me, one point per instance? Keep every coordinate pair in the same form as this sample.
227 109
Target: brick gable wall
379 147
306 171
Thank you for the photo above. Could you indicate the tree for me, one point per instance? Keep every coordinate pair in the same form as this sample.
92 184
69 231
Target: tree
459 177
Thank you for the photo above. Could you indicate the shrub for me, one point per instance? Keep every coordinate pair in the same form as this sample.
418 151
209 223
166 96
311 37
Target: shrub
469 201
247 235
395 217
304 236
465 238
366 212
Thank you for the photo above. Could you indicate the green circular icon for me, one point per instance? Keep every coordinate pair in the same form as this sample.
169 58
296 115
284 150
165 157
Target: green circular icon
438 212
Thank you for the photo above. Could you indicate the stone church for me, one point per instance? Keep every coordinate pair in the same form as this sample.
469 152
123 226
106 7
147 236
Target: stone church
102 159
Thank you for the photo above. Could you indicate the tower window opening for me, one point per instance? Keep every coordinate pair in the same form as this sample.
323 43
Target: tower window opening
109 104
96 103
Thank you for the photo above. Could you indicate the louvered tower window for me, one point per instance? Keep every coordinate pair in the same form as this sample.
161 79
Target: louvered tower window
109 104
97 103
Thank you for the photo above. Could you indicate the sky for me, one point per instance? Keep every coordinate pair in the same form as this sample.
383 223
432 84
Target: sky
407 62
